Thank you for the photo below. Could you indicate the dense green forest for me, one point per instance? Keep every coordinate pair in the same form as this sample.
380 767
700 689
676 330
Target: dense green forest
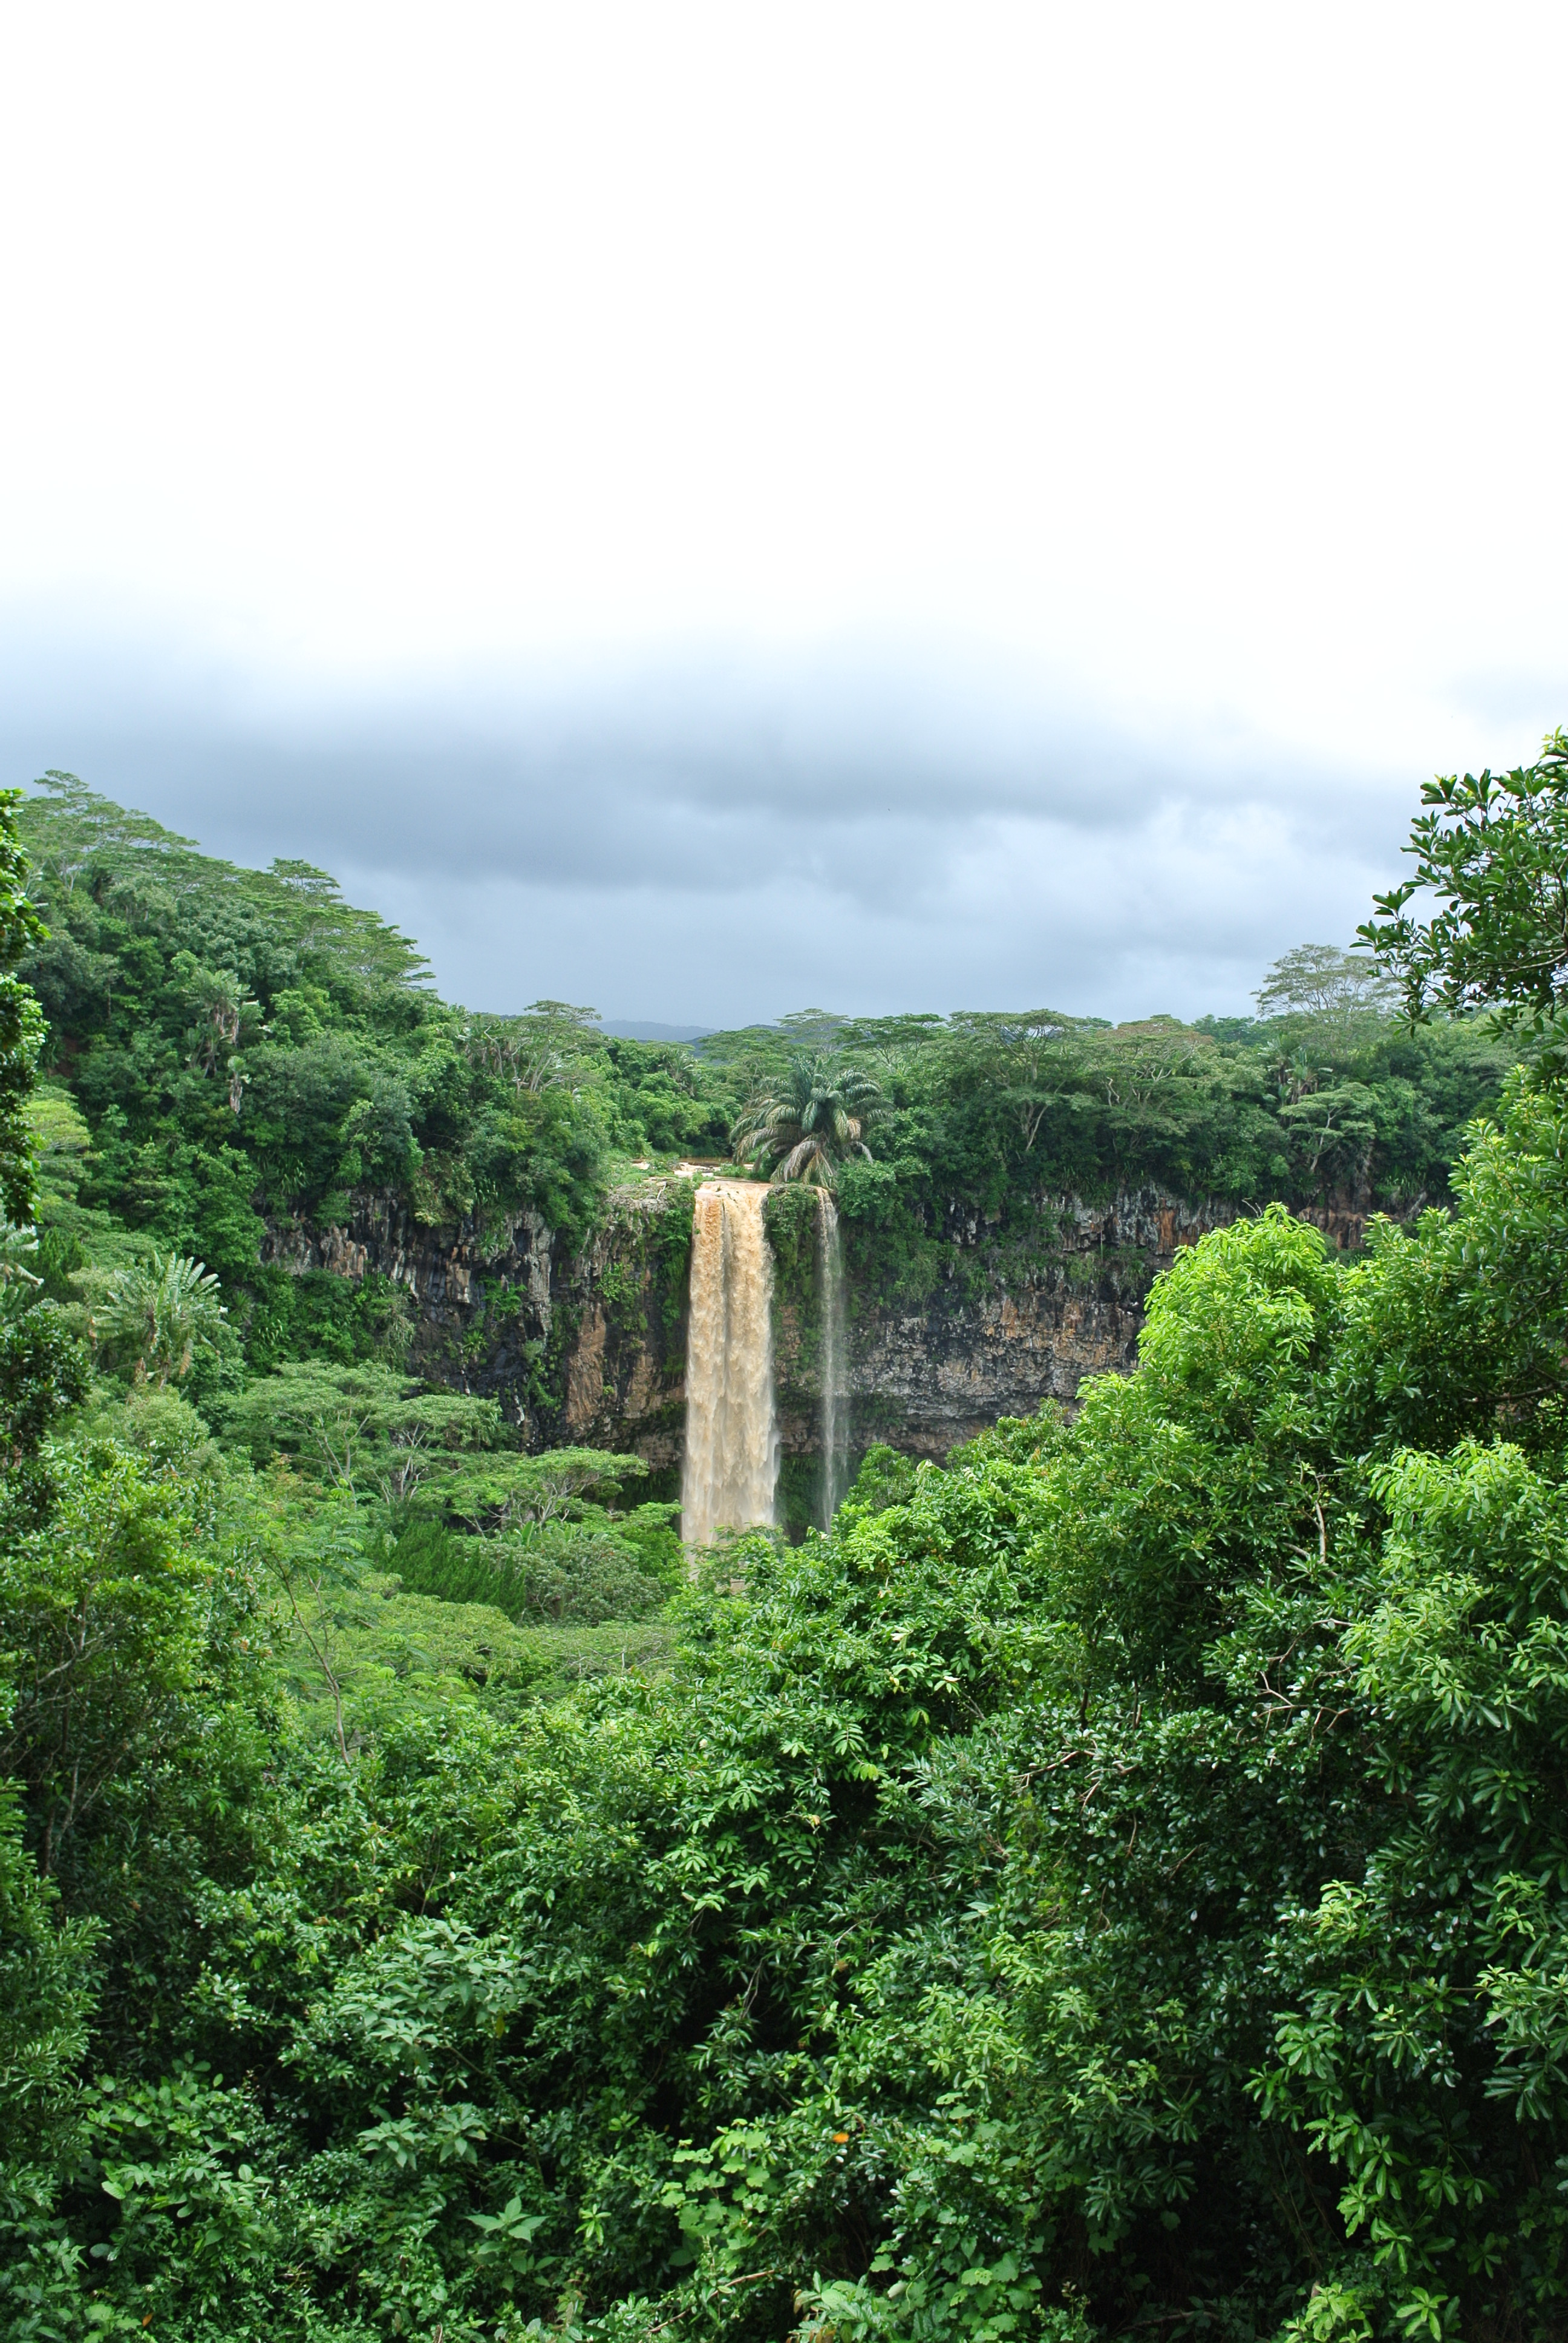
1114 1884
230 1052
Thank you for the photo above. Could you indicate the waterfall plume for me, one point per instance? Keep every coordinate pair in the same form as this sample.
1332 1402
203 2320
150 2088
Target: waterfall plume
731 1467
835 1406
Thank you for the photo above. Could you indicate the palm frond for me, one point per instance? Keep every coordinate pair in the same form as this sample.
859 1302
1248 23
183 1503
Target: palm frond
814 1117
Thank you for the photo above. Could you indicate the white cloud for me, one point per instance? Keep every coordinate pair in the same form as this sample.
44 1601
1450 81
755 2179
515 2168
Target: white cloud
1115 453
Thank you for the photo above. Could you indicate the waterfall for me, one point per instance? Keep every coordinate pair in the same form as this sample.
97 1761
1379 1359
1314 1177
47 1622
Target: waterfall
732 1425
835 1393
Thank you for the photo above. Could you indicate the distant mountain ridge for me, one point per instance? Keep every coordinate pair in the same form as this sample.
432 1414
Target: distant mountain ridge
640 1029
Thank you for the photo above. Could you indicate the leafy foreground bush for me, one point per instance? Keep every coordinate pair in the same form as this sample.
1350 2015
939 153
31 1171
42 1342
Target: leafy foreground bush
1117 1885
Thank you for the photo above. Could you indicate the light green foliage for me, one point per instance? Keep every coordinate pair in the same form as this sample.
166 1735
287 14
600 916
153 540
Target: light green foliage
1465 1317
573 1575
391 1653
20 1282
365 1429
551 1046
548 1538
1319 981
156 1316
79 1247
313 1554
107 1614
59 1138
617 1566
379 1606
885 1478
534 1491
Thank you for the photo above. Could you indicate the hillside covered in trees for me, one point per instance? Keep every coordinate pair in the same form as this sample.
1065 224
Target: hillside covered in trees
231 1049
1113 1884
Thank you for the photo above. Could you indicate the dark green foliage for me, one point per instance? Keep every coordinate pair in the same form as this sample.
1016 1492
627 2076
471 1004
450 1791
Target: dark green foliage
1119 1872
317 1315
798 1495
43 1370
126 1625
21 1026
432 1559
885 1478
660 1101
793 1218
46 2002
1328 1102
328 1117
246 1051
818 1117
247 1047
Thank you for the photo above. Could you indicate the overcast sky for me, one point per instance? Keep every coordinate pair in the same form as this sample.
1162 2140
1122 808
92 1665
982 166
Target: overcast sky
702 510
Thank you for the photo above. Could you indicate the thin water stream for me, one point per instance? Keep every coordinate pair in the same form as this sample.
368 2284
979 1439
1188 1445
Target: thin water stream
835 1388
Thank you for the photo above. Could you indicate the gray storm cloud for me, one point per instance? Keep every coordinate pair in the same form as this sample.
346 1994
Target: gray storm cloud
723 839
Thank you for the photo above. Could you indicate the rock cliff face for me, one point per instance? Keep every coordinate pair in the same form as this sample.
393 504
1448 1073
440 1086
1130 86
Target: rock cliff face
1011 1323
583 1348
589 1347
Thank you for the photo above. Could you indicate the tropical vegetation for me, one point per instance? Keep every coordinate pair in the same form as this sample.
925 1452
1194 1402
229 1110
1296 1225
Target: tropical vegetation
232 1056
804 1127
158 1314
1114 1884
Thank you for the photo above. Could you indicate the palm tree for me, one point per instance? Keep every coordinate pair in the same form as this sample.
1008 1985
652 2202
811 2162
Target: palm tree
806 1125
19 1282
163 1313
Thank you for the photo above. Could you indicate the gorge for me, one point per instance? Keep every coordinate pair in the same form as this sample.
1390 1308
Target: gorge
609 1345
243 1068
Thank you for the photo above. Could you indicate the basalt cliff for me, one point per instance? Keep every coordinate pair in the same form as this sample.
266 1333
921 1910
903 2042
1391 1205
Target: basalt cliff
588 1346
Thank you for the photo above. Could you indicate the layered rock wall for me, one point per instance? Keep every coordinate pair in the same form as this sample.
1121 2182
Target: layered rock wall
1014 1321
581 1348
589 1347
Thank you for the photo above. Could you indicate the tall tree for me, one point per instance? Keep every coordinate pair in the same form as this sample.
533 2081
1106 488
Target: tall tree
1321 980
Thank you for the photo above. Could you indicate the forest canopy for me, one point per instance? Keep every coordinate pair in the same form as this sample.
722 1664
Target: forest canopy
1114 1884
243 1051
